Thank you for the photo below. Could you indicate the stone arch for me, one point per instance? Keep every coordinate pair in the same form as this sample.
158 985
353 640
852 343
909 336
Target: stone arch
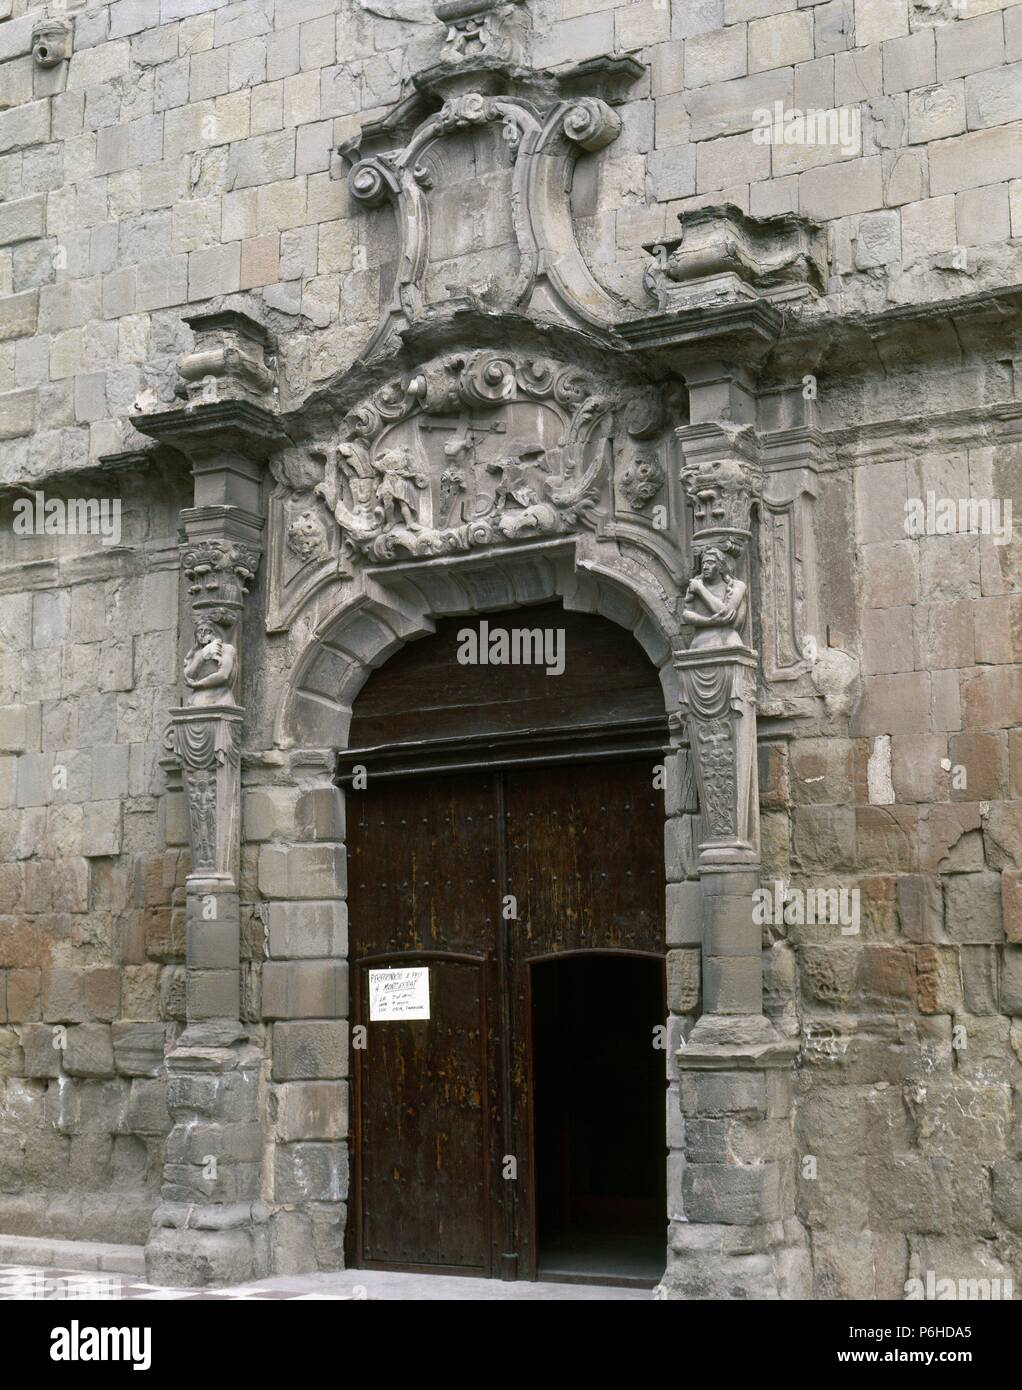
402 602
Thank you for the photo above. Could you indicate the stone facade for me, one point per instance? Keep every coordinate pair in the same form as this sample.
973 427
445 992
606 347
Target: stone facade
368 314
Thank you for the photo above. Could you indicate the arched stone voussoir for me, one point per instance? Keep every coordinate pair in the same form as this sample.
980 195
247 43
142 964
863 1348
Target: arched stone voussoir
402 603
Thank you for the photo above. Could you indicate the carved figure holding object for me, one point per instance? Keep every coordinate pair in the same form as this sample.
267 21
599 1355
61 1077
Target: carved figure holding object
715 603
400 479
211 667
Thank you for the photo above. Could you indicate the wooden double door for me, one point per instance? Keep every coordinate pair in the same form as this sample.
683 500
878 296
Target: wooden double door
519 1132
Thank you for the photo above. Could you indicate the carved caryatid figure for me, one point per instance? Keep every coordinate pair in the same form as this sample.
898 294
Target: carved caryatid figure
715 603
401 479
211 668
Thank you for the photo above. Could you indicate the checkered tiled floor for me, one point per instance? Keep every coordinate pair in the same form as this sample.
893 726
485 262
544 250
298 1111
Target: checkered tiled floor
39 1282
24 1281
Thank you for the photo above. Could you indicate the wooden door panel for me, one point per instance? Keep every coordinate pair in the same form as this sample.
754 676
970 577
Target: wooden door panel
423 859
423 865
585 858
425 1102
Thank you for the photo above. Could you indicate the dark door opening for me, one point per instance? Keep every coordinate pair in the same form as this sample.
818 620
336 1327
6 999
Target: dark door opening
598 1118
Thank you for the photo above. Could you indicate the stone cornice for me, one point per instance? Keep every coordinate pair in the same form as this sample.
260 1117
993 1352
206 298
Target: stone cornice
216 426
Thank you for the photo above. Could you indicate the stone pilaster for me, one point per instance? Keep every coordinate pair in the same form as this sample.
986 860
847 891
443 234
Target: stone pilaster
211 1226
733 1230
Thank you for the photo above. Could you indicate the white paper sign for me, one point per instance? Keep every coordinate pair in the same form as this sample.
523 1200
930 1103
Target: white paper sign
399 993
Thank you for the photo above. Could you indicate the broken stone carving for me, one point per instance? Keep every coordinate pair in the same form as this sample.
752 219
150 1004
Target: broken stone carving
488 29
724 255
641 481
233 358
306 537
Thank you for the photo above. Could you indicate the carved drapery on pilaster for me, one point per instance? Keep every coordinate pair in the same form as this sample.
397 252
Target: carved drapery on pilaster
207 743
718 701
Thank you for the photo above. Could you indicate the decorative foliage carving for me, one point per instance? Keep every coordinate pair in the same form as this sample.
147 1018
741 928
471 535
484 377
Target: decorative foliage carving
220 568
522 458
721 492
642 480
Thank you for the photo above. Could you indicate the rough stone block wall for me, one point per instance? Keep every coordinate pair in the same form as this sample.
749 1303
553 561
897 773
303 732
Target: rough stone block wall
91 873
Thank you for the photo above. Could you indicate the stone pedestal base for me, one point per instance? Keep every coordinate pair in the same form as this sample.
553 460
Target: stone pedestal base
769 1261
737 1235
202 1247
212 1226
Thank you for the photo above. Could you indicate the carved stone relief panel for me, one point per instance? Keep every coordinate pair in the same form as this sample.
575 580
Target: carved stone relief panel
476 450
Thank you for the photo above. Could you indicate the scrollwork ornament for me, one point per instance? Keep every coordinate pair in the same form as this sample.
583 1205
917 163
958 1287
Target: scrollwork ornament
571 387
372 180
591 123
471 109
488 380
536 376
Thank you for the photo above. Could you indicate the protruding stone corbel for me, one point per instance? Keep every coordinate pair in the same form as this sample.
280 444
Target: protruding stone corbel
51 42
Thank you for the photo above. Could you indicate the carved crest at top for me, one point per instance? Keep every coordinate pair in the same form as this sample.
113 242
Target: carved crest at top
476 449
481 193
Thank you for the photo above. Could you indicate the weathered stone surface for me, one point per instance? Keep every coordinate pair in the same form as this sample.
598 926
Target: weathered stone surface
310 1110
310 1051
189 151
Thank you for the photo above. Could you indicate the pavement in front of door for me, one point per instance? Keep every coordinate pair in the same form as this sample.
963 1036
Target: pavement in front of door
36 1281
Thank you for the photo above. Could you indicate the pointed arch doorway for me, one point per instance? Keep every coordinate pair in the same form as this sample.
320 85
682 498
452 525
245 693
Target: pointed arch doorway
507 840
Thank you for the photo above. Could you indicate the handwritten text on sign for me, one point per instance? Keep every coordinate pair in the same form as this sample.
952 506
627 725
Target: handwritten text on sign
399 993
